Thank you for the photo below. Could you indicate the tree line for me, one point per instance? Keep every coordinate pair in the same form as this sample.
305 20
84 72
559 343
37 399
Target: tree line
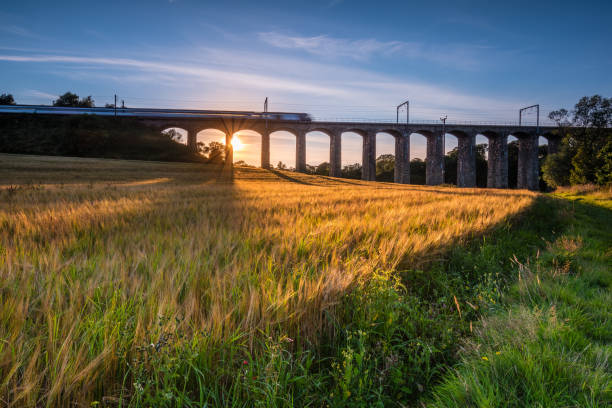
585 153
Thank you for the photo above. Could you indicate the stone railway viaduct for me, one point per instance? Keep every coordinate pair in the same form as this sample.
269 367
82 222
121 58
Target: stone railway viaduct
497 135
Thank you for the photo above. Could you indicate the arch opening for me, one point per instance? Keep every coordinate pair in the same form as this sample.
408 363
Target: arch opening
283 150
418 154
246 145
351 155
513 154
211 144
451 158
176 133
482 157
318 145
385 157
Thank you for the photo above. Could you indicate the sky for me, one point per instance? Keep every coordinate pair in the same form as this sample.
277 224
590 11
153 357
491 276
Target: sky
335 59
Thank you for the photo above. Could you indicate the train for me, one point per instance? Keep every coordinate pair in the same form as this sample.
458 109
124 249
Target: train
157 113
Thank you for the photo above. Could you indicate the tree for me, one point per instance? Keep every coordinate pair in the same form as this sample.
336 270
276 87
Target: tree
215 152
7 99
417 171
584 151
174 135
352 171
385 167
556 169
281 166
322 169
70 99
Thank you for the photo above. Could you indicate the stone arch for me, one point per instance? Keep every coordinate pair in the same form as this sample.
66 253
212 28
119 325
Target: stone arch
317 143
383 147
183 133
250 146
353 155
282 147
417 155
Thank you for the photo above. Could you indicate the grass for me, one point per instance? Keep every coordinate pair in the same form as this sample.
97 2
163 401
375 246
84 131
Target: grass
126 283
549 345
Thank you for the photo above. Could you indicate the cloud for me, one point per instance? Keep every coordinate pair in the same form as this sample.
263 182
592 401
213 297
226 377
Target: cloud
220 78
328 46
39 94
461 56
207 74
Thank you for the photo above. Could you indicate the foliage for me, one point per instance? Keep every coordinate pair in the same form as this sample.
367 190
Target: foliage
214 152
281 166
174 135
549 343
321 169
385 165
585 147
352 171
7 99
70 99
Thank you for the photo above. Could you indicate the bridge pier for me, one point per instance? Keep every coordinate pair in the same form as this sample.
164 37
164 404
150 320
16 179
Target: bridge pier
497 173
402 159
265 149
434 162
368 158
192 139
335 169
528 168
229 151
466 161
300 151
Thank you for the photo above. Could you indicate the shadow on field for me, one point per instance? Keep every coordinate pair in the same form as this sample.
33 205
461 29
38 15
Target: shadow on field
474 256
289 178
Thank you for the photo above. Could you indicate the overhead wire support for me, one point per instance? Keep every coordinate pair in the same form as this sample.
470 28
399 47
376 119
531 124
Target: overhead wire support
537 106
407 103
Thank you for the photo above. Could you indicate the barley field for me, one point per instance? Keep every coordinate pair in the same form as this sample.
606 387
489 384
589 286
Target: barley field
127 283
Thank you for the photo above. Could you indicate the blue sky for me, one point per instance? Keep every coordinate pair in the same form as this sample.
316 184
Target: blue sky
333 58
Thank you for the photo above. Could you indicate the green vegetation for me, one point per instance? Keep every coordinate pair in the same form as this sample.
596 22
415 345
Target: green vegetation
70 99
585 154
549 343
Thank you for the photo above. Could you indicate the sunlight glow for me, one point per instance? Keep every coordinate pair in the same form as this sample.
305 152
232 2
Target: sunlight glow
236 143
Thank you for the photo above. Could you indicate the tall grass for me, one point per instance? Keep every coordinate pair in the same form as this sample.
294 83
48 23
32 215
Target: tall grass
152 283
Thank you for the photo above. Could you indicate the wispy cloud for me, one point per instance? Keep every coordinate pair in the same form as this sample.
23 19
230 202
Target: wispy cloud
327 90
208 74
39 94
336 47
460 56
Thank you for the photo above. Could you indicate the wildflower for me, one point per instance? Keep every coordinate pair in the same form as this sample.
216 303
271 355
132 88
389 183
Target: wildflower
485 358
497 353
245 362
289 340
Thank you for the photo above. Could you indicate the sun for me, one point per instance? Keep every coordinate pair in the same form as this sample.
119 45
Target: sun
236 143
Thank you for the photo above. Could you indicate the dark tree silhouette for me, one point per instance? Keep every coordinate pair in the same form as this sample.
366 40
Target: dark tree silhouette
70 99
215 152
7 99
